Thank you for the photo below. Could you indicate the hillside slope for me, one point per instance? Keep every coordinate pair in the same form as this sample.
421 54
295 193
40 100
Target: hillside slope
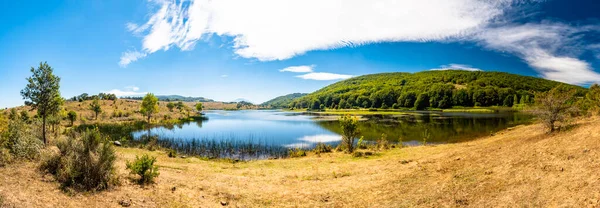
282 101
519 167
437 89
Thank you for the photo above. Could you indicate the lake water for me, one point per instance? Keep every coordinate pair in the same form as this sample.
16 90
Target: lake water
283 129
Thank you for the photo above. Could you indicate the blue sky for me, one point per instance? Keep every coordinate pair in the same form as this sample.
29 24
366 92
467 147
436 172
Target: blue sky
232 49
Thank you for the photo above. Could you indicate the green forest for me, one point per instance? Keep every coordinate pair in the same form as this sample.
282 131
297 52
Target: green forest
282 101
428 89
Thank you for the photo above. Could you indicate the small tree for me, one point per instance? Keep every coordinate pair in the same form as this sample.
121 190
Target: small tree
72 116
149 105
554 106
25 116
170 106
199 107
144 167
42 93
96 107
350 131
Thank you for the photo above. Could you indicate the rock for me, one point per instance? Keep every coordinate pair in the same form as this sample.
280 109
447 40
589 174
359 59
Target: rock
173 189
403 162
224 203
117 143
586 150
489 172
458 158
125 203
182 156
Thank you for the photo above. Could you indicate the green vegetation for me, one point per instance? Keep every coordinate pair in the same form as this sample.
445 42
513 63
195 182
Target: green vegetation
554 106
42 93
429 89
96 107
282 101
349 125
170 106
199 107
169 98
149 106
72 116
144 167
83 163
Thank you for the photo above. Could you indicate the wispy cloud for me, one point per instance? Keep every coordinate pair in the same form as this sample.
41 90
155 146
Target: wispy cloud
457 67
130 56
324 76
276 30
298 69
128 91
224 76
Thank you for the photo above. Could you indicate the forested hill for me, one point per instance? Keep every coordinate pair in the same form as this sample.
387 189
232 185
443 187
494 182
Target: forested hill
282 101
436 89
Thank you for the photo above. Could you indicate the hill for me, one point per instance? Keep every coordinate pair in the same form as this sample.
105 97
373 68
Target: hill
175 98
282 101
429 89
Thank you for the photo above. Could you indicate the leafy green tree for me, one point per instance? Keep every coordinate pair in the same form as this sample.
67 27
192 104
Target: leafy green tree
72 116
554 106
13 115
199 107
170 106
42 93
422 101
149 106
350 131
342 104
316 104
25 116
96 107
593 96
180 106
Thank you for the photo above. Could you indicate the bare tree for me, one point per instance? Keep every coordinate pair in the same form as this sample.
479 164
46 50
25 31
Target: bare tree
554 106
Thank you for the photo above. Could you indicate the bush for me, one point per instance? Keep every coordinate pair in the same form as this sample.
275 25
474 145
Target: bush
5 157
21 141
144 167
322 148
172 153
383 143
85 162
361 143
297 152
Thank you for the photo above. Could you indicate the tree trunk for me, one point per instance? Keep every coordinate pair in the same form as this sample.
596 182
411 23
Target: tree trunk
44 129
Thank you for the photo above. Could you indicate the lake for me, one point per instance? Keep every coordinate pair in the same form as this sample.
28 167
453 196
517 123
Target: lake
276 131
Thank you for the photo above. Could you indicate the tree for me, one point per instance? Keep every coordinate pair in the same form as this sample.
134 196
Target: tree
170 106
42 93
25 116
422 101
593 96
96 107
199 107
149 105
350 131
316 104
72 116
180 106
554 106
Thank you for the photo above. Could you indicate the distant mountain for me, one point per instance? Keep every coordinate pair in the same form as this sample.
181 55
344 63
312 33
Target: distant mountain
239 100
282 101
176 98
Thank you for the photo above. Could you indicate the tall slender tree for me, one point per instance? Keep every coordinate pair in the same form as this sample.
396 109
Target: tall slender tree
42 93
96 107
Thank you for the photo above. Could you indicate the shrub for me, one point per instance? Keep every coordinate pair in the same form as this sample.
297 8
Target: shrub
172 153
383 143
5 157
322 148
297 152
349 125
85 162
361 143
554 106
357 154
21 141
144 167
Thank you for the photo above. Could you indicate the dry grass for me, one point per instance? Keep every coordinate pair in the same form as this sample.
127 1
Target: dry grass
520 167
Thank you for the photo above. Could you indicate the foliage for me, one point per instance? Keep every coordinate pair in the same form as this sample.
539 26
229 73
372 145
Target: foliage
429 89
85 162
170 106
169 98
282 101
593 97
361 144
350 131
25 116
96 107
42 93
199 107
297 152
554 106
144 167
383 143
322 148
21 141
149 106
72 116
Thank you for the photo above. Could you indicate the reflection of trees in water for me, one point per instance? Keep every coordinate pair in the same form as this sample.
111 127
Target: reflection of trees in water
440 129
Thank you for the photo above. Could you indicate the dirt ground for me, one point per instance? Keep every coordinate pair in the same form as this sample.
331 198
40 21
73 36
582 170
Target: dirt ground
518 167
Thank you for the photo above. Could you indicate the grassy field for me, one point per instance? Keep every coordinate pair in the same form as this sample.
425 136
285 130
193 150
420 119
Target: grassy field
518 167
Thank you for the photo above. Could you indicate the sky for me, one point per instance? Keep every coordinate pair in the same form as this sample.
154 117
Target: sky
259 49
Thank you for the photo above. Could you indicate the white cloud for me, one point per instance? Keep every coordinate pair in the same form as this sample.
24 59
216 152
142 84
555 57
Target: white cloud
277 30
324 76
298 69
129 91
546 47
457 67
224 76
130 56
